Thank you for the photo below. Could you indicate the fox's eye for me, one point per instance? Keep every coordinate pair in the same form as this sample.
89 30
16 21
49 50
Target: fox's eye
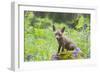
58 34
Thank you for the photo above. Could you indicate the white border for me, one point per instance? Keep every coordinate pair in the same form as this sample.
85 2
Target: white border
18 58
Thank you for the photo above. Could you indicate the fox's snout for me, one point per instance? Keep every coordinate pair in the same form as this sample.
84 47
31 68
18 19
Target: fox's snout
58 37
58 34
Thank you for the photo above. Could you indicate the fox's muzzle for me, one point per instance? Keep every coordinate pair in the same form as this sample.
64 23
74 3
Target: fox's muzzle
57 37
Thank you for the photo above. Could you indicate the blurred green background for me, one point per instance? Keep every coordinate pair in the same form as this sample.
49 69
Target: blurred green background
39 40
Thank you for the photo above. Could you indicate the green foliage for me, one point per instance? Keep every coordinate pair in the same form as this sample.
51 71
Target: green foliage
42 22
39 40
80 22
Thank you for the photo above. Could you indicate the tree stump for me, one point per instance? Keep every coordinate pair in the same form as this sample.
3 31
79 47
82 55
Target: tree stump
67 55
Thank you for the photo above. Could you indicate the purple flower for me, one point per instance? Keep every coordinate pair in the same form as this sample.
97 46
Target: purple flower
76 51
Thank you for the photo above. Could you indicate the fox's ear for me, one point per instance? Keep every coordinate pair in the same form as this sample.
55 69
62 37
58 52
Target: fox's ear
54 28
62 30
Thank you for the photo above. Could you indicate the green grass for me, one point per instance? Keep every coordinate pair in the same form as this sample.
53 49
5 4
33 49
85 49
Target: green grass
40 45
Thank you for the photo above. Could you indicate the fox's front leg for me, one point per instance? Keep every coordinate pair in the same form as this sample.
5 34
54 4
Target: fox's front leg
63 47
59 49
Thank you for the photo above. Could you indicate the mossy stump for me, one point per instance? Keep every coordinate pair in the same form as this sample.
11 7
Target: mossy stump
67 56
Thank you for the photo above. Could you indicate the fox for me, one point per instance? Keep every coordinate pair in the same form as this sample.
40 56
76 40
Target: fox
63 41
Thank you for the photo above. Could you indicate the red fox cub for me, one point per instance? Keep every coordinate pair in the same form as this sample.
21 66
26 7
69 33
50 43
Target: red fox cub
64 42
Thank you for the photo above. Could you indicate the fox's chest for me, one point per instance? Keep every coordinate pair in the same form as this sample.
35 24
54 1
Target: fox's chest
63 41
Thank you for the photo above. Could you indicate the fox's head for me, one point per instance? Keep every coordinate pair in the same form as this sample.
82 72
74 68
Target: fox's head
58 32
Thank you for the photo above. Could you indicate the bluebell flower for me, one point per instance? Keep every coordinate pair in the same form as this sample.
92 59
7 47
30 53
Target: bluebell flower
76 51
